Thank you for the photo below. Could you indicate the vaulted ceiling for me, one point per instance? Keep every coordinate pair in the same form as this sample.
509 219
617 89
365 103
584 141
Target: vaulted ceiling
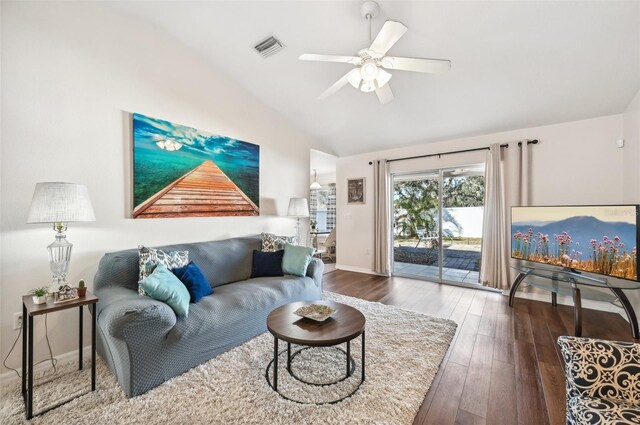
514 64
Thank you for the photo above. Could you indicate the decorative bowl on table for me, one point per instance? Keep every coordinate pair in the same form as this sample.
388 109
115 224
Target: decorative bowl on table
317 312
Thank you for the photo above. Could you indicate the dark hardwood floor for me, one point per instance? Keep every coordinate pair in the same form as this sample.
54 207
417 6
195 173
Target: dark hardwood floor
503 366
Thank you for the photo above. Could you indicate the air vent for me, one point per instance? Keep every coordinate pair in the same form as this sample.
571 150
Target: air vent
268 46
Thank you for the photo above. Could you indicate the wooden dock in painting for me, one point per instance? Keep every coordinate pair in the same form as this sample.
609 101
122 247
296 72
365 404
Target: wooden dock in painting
204 191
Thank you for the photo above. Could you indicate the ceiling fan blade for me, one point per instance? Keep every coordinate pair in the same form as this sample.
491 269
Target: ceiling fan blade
338 84
432 66
329 58
384 93
388 36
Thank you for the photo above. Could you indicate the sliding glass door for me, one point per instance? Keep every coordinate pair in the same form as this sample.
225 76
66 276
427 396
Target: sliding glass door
437 224
463 214
416 199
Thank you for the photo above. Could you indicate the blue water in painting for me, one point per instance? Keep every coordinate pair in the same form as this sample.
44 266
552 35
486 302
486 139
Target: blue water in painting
155 168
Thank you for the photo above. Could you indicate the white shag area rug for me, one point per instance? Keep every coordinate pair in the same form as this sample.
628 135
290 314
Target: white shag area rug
403 352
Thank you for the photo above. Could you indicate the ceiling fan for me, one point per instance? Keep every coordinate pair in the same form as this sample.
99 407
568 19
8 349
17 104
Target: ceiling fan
370 64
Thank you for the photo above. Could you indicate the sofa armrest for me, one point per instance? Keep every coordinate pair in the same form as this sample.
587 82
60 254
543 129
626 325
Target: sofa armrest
597 368
315 270
126 315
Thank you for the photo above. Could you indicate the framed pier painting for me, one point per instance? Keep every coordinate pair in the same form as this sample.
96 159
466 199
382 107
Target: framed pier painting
179 171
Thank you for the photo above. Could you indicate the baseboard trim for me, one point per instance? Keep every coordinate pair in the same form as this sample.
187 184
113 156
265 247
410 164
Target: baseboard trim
10 376
356 269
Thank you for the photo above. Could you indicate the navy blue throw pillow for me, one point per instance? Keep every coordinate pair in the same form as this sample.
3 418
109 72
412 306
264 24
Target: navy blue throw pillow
194 280
267 263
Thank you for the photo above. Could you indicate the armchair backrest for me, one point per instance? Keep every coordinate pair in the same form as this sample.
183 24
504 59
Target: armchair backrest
331 239
597 368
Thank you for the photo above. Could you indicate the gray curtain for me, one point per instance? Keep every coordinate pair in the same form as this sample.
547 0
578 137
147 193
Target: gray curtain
523 183
495 255
496 232
381 206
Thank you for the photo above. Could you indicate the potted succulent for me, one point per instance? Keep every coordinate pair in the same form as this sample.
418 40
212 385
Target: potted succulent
40 295
82 289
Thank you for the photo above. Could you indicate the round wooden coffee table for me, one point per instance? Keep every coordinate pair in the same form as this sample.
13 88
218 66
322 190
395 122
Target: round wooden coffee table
345 325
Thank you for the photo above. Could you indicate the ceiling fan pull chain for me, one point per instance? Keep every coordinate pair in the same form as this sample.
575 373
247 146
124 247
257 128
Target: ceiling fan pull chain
369 20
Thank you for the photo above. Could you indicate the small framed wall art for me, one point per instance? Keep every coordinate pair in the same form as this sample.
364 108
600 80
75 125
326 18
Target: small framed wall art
355 190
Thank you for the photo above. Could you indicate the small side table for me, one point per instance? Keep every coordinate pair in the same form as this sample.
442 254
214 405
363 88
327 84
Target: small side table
29 310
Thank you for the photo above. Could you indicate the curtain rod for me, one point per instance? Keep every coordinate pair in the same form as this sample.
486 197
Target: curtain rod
506 145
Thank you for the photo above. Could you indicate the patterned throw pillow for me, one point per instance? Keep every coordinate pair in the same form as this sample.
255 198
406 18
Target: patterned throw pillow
150 257
272 243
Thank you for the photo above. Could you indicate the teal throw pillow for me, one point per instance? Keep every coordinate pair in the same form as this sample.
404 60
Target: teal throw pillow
162 285
296 259
150 257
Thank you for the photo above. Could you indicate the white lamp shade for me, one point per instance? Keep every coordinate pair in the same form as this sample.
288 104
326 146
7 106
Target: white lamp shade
298 207
55 202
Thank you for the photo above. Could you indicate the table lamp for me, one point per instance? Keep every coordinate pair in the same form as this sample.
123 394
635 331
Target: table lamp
60 203
298 208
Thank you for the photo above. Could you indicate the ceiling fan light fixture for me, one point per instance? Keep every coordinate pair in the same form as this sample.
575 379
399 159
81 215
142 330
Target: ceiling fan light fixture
354 79
368 86
369 71
383 77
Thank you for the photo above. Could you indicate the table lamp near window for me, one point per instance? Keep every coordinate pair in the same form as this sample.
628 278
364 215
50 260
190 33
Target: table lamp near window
298 208
60 203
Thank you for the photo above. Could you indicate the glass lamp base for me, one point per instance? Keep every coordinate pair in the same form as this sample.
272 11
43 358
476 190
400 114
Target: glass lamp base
59 257
298 240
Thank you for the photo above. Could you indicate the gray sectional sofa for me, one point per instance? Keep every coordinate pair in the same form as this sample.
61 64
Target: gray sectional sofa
144 343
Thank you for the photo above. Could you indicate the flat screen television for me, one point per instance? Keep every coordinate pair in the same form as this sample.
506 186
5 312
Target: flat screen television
599 239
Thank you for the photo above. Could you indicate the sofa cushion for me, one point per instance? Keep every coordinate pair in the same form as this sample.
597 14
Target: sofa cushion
224 261
239 307
163 285
267 264
271 242
149 258
193 279
583 410
296 259
221 262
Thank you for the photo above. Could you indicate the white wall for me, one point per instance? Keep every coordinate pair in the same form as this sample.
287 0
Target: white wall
2 309
574 163
324 165
325 179
631 169
71 73
469 219
632 150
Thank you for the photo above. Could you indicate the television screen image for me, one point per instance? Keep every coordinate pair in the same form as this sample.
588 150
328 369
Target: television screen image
596 239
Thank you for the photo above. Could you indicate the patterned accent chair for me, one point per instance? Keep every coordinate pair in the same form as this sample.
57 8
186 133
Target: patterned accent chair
603 381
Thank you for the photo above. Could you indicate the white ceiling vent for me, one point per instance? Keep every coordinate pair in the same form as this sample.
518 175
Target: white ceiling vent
268 46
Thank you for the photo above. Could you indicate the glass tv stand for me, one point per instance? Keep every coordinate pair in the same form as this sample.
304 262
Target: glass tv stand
570 282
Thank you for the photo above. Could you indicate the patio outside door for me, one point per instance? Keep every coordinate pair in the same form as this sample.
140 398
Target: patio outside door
437 224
